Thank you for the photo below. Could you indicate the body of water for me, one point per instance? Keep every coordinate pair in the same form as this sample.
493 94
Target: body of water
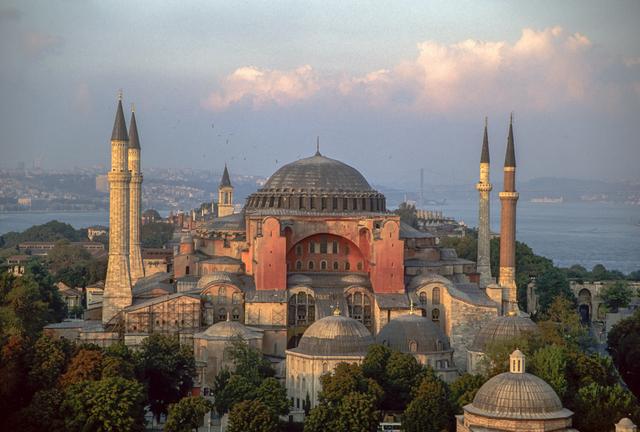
569 233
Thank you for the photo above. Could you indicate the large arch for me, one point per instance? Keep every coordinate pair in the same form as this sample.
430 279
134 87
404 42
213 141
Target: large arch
585 305
222 301
321 252
360 305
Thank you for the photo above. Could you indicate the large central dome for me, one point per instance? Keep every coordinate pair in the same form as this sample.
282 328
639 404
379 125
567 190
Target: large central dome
317 183
318 173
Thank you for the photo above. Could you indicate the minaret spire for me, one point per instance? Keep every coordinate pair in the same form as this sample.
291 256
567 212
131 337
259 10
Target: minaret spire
318 146
225 194
509 199
117 290
484 188
136 265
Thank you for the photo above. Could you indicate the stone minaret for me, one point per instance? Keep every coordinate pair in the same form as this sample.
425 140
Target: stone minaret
225 195
484 187
135 194
509 199
117 289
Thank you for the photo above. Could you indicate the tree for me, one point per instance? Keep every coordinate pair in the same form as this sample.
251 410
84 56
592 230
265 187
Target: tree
167 370
108 405
274 395
357 412
14 369
616 295
236 389
50 358
86 365
612 402
156 234
252 416
43 413
431 409
375 362
248 361
550 364
624 346
551 284
187 414
118 362
408 214
402 374
562 326
464 389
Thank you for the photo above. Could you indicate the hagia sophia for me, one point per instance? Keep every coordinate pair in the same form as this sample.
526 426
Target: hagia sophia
312 272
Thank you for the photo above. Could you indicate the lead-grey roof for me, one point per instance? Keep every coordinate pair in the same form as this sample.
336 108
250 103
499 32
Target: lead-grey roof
502 328
335 336
401 331
318 173
226 181
227 330
134 140
407 231
119 125
519 396
484 156
510 156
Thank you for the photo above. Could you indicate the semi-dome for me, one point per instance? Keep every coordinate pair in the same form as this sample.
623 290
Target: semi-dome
317 183
335 335
517 395
226 330
500 329
413 333
216 277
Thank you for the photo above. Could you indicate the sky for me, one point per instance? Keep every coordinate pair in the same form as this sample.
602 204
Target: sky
389 86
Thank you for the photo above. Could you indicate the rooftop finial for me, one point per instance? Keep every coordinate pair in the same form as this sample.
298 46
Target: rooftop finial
120 94
517 360
133 107
318 145
486 121
336 311
411 306
511 118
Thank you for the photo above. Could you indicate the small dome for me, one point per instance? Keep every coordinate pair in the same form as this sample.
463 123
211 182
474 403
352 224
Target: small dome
517 396
335 335
400 333
225 330
215 277
502 328
626 422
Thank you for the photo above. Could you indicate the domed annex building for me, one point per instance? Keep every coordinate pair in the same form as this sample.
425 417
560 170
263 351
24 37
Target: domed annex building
314 238
331 340
515 401
419 336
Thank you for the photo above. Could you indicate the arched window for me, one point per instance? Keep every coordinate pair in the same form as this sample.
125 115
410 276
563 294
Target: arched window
222 295
299 250
435 315
310 265
347 266
302 310
335 265
359 266
436 296
222 314
325 367
298 265
323 265
235 314
413 346
359 305
236 298
423 298
439 346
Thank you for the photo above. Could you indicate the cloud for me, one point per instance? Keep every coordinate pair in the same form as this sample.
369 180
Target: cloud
36 43
543 70
261 87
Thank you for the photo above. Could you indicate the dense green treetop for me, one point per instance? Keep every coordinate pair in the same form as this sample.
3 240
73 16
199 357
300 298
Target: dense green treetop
624 346
187 414
252 416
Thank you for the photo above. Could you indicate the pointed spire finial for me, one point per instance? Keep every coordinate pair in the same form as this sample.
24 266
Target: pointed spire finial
318 146
510 157
119 125
484 156
120 94
133 107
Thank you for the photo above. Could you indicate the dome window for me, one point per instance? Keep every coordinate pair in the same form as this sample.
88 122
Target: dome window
435 315
435 296
413 346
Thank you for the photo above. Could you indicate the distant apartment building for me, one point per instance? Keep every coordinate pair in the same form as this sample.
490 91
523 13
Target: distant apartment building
17 264
42 248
